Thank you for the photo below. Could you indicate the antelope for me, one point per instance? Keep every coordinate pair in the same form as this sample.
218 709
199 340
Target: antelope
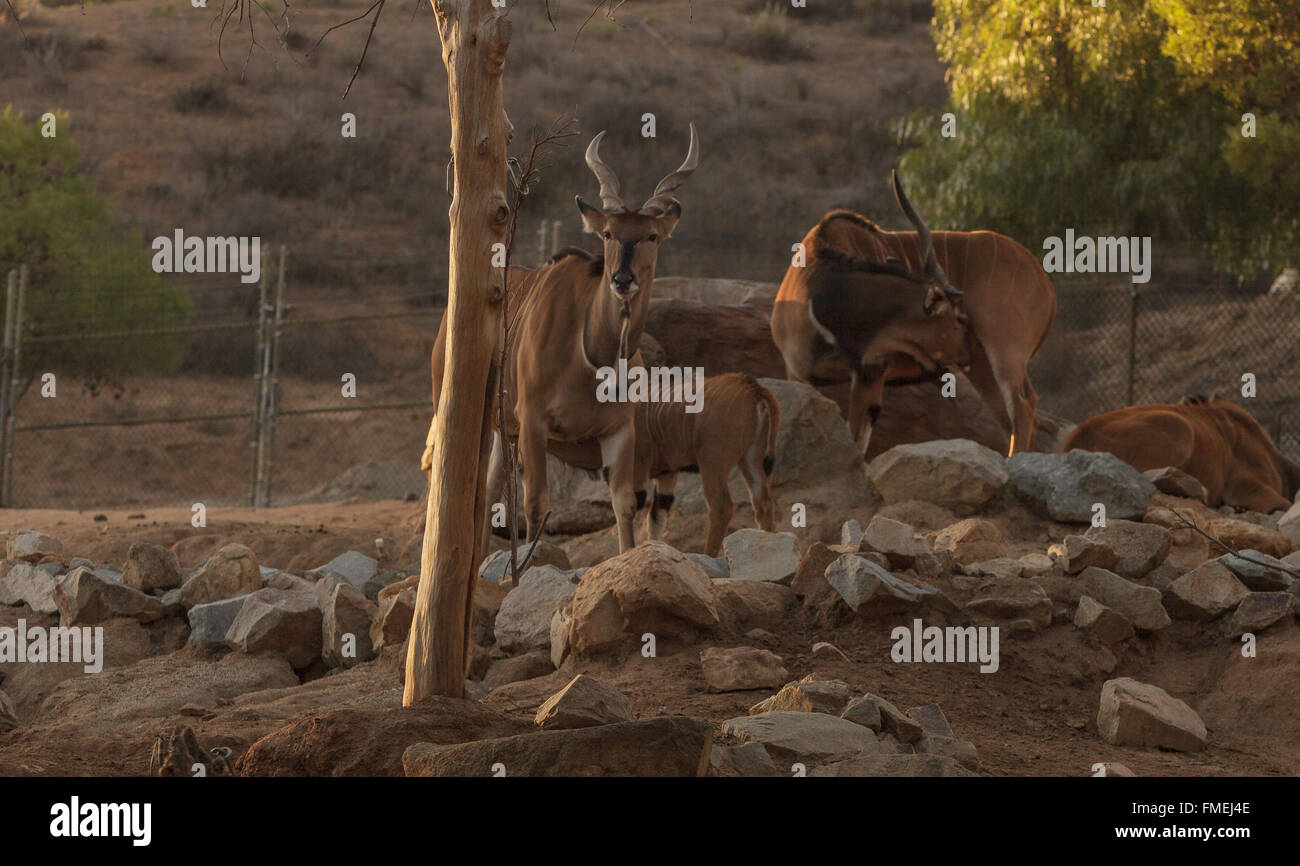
570 318
1009 299
1218 443
737 426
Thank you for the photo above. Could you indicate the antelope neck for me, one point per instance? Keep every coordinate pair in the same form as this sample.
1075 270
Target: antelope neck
602 327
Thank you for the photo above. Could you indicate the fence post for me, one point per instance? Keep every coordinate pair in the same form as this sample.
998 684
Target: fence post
13 394
274 394
1132 341
6 359
259 383
541 242
555 236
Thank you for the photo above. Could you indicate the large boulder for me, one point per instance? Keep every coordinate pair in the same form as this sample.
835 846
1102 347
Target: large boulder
233 571
651 588
1140 605
523 622
1065 487
1139 714
280 623
85 598
584 702
150 567
664 746
958 474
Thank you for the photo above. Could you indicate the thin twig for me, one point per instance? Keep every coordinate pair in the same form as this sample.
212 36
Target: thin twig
1237 553
28 42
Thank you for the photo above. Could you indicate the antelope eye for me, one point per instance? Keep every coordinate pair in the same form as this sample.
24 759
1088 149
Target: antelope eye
654 238
605 234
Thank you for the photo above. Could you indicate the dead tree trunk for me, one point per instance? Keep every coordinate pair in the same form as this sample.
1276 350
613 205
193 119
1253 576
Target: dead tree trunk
475 35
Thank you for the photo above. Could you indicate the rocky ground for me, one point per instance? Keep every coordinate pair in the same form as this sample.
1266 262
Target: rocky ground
272 642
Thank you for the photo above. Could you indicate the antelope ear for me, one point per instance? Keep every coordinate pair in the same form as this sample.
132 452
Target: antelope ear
668 220
936 301
593 220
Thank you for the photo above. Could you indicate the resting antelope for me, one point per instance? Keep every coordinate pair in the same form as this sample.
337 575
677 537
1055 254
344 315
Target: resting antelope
1007 295
568 319
737 426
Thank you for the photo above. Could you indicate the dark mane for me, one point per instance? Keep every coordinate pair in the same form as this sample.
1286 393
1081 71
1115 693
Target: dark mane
891 267
597 262
856 218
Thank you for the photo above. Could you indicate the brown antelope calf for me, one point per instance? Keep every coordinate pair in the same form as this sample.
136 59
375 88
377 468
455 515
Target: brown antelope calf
1007 295
569 319
736 426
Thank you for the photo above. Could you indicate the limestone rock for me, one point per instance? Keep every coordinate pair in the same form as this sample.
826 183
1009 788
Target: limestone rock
233 571
753 554
150 567
1138 714
584 702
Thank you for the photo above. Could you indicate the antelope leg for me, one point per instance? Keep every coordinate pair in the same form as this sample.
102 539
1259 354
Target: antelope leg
617 452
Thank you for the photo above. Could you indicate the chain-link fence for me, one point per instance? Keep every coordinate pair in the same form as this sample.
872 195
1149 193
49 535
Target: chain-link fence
1193 333
270 394
267 398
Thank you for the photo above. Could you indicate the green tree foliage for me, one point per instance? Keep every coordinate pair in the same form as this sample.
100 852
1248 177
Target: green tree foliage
82 275
1109 120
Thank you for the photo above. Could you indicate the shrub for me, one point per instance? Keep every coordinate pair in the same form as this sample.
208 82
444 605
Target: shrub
83 277
768 37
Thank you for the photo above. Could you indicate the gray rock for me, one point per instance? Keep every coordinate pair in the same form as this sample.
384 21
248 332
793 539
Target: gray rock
862 711
1205 592
1137 547
53 568
714 566
961 751
280 623
867 588
524 621
1264 574
497 565
1140 605
931 719
1259 610
753 554
1065 487
957 474
210 622
232 572
803 737
26 583
32 545
851 533
354 567
346 616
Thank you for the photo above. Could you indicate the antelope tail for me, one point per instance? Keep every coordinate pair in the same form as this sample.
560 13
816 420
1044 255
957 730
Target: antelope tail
770 411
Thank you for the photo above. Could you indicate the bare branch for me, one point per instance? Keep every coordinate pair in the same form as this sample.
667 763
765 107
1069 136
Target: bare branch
1237 553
